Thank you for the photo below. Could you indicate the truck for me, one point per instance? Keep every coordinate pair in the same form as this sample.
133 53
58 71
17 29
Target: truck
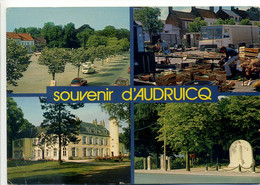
213 37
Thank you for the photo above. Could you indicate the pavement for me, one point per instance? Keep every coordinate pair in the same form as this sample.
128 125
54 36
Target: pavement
36 77
196 175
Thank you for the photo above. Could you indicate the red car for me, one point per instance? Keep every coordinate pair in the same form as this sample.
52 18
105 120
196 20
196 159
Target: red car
78 82
121 82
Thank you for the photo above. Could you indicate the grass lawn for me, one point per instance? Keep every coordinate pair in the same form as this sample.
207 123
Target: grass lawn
49 172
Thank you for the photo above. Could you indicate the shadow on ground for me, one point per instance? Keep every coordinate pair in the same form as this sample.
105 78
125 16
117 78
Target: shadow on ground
117 175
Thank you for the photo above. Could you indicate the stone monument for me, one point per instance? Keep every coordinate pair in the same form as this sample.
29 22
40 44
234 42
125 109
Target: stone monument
240 152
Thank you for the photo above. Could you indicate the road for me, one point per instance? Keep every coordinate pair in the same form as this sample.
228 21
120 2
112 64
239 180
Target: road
151 178
36 77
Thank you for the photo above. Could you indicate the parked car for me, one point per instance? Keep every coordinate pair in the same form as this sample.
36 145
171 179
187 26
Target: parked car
78 82
88 68
121 82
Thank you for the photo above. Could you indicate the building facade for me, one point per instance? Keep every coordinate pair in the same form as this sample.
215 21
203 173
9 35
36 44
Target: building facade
94 141
23 39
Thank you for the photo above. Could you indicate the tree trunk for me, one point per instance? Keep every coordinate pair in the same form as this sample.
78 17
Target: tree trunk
78 70
59 135
187 161
53 75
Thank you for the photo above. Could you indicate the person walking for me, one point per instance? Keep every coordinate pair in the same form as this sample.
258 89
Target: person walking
231 56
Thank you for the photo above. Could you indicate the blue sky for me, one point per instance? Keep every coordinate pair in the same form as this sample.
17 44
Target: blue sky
31 108
164 10
97 18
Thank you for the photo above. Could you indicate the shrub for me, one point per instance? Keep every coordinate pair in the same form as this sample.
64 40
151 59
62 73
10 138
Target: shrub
139 164
178 163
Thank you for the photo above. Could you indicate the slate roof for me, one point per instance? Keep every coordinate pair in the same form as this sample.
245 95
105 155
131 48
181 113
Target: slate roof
207 13
253 16
184 15
90 128
230 13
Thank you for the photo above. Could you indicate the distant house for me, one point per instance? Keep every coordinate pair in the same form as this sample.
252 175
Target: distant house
253 17
171 34
207 15
40 43
179 20
228 14
24 39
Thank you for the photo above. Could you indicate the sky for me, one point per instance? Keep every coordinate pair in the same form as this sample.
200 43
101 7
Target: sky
97 18
164 10
31 108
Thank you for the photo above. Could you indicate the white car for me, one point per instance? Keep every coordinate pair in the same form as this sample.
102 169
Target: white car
87 69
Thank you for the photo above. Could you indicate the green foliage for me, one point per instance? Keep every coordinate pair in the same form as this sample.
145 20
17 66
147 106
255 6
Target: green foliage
78 57
15 123
178 163
55 59
84 36
53 35
196 25
227 21
207 127
149 17
257 24
69 36
60 124
95 41
17 61
245 22
146 129
139 163
120 112
31 30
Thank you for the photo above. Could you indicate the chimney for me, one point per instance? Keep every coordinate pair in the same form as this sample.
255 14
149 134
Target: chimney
170 9
220 7
95 122
193 8
211 8
232 8
102 123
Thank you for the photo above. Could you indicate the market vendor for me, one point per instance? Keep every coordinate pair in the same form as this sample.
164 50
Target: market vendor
231 56
164 46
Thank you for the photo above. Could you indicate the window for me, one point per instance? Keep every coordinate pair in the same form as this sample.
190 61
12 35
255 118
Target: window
64 152
39 153
34 141
101 141
90 140
96 141
90 152
73 154
84 152
95 152
47 152
106 143
77 151
55 152
84 140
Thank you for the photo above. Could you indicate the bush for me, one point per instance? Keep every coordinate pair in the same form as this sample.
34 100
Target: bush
178 163
139 164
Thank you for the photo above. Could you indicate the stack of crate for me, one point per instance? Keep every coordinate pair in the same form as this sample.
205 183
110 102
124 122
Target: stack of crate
249 60
165 78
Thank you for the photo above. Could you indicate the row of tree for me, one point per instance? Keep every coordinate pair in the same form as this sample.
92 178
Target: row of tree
69 37
204 129
56 58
